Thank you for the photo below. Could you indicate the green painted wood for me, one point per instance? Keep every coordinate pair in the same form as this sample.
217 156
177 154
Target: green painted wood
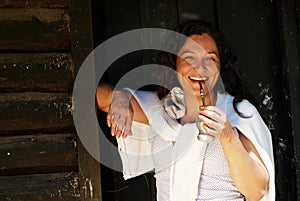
40 187
33 111
34 29
41 153
36 72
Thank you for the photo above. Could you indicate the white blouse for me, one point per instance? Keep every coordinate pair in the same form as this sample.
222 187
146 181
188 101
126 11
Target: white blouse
180 171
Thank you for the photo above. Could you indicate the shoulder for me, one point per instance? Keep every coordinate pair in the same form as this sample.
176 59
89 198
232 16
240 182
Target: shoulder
244 107
247 109
144 96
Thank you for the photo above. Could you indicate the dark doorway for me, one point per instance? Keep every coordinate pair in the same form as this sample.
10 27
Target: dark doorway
258 31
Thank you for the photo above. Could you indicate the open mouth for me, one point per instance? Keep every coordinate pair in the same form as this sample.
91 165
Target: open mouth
199 79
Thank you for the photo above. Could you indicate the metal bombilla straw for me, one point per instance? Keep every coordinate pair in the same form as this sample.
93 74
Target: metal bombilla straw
202 136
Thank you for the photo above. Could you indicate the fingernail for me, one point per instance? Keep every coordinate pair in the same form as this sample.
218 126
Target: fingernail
201 107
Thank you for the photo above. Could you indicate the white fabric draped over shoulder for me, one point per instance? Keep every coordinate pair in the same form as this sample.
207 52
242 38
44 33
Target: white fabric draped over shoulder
185 157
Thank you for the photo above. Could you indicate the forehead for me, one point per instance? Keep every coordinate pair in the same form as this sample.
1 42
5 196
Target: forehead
203 43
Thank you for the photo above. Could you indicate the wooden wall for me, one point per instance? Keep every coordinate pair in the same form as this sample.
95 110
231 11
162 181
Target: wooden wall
42 45
39 157
265 36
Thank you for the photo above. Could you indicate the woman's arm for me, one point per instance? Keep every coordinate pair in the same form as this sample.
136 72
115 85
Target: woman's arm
121 108
247 169
246 166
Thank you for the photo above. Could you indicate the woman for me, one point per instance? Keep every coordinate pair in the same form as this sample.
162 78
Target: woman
237 163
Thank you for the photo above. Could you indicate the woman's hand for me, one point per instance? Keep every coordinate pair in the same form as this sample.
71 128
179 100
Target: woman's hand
247 169
215 122
120 114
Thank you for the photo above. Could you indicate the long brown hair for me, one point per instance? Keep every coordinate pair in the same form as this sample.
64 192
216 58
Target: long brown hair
233 79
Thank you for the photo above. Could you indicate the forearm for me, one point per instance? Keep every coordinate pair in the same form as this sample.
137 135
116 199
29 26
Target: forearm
104 96
247 171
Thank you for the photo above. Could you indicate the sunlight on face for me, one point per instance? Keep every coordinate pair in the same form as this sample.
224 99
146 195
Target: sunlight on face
198 59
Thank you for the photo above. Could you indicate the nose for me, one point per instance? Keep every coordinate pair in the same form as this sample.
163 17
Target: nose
198 65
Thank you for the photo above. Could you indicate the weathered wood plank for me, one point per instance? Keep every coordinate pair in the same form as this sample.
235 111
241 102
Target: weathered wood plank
161 14
41 71
29 111
196 10
34 29
40 187
38 154
287 144
34 3
82 45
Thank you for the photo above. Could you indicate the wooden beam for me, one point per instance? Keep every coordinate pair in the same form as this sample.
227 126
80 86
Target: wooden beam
289 181
34 29
32 111
82 45
41 153
40 187
34 3
36 72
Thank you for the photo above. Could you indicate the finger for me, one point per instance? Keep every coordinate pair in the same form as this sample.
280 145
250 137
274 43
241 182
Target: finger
109 119
212 115
113 128
210 122
212 108
210 131
123 133
118 133
128 126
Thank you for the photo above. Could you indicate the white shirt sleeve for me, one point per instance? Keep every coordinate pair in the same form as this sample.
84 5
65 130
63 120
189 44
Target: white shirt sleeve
136 151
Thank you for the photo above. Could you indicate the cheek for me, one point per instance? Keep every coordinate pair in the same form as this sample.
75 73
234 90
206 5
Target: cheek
181 71
214 75
182 68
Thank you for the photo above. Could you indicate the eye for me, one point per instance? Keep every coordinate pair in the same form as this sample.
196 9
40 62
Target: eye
188 57
208 62
209 59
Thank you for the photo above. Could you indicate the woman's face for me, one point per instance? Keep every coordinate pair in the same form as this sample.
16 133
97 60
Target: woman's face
196 61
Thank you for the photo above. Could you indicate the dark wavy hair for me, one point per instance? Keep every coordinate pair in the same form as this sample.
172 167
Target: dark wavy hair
233 79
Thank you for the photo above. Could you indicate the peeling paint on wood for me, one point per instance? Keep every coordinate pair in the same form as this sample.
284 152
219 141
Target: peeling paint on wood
36 72
31 111
40 153
34 3
35 29
46 187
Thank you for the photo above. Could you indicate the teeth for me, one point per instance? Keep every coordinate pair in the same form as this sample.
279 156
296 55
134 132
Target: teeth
198 78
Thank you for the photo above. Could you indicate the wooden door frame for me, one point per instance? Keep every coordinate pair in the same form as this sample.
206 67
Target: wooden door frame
289 24
82 45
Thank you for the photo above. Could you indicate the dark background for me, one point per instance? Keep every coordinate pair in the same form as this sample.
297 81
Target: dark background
264 36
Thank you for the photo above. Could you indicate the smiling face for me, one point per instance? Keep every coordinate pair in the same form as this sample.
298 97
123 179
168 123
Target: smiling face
198 62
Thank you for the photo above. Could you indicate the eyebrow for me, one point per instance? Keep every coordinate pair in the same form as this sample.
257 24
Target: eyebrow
186 51
190 51
213 52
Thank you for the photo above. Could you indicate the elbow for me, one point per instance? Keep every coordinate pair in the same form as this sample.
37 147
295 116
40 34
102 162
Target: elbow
256 196
257 193
103 104
258 189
